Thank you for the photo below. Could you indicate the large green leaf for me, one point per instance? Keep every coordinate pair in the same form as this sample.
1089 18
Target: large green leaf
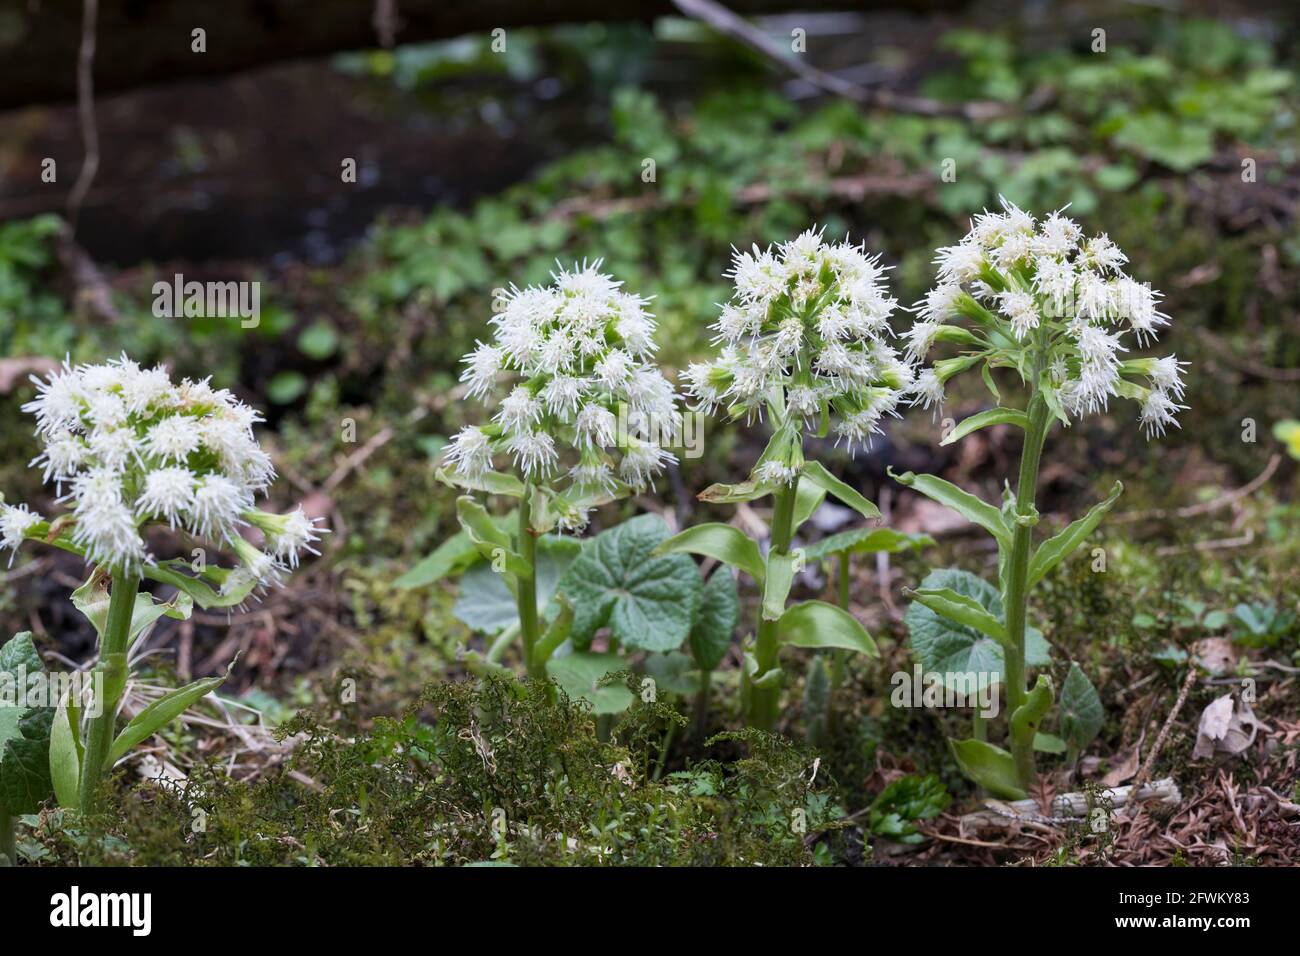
994 416
1058 547
1081 711
989 766
647 600
963 502
816 473
716 620
580 675
866 541
721 541
486 603
945 647
818 624
24 730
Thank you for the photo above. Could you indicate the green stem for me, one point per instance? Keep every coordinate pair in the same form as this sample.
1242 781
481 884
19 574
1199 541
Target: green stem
7 837
526 597
110 674
764 702
1016 597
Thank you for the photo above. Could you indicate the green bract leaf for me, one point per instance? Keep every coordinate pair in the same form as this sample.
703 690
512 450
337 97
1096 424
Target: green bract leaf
818 624
646 600
65 754
866 541
1026 718
808 497
1081 711
819 476
580 676
92 600
716 620
1058 547
24 730
493 482
731 494
455 554
942 646
994 416
486 603
777 584
721 541
989 766
963 610
160 713
964 503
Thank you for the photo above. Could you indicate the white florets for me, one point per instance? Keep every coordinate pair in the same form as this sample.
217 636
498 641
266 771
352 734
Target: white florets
807 321
136 449
1052 289
579 356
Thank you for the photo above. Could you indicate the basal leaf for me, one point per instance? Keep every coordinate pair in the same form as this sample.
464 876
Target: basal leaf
1082 713
648 601
989 766
24 731
580 675
716 620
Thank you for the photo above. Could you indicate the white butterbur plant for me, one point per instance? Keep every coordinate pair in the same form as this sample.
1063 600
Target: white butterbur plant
578 414
805 345
1056 307
128 450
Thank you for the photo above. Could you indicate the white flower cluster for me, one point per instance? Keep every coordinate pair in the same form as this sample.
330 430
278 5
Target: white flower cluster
806 324
1046 286
134 448
579 357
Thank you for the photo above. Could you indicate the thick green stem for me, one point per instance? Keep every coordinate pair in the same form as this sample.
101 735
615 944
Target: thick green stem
1016 597
7 837
764 702
527 587
109 676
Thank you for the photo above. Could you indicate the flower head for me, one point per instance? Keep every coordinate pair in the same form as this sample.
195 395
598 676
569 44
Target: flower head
580 396
135 449
804 335
1041 294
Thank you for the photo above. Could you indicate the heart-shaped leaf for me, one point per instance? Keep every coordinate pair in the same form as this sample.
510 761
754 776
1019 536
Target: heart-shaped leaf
24 731
580 675
716 620
945 647
1081 711
648 601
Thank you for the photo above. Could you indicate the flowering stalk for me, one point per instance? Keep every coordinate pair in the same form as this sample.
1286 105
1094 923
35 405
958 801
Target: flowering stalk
802 342
111 672
1040 298
583 422
137 452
